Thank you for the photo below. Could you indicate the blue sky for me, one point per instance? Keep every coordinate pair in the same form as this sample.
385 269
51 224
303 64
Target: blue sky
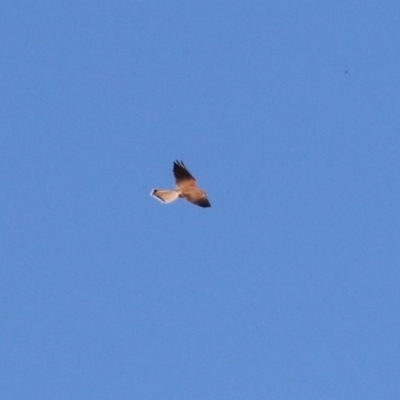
287 113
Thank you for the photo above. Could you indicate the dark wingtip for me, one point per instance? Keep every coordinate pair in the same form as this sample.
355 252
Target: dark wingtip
203 203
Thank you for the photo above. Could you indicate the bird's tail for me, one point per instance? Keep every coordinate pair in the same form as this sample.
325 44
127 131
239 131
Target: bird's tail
165 196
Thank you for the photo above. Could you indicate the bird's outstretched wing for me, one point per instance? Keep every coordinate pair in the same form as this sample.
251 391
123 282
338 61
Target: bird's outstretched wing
198 197
183 177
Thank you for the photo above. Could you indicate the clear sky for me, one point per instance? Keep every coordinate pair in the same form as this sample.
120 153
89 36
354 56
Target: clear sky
287 113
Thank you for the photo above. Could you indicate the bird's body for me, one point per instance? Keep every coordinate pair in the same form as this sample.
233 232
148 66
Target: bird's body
185 188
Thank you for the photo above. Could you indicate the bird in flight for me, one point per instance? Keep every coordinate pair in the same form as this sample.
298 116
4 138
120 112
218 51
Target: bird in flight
185 188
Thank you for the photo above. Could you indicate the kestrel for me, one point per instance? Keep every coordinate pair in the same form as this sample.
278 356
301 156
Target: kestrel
185 188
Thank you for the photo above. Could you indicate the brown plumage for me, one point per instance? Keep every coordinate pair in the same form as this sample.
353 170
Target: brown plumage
185 188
